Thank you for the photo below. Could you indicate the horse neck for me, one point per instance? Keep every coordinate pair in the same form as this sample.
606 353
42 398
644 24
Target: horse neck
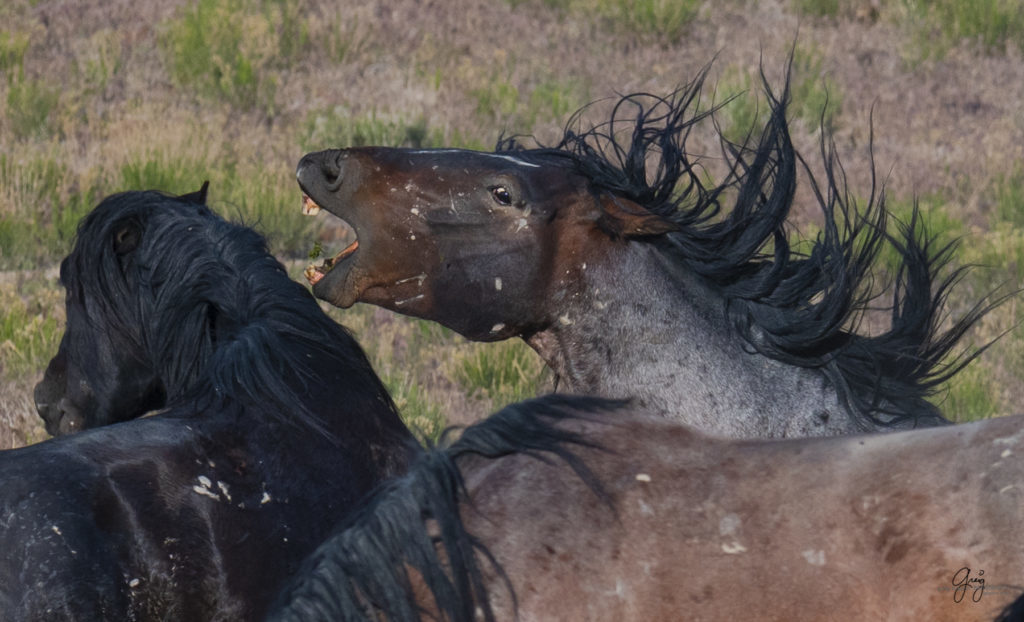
638 324
280 359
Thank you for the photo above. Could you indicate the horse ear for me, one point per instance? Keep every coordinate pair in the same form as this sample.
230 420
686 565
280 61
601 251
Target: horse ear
199 196
623 218
127 237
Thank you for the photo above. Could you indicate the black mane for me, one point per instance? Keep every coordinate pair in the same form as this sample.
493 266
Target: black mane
205 301
362 572
801 309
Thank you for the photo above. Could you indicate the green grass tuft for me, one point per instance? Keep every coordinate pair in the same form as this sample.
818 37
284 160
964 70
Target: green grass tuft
419 413
1008 196
971 395
338 128
816 8
163 172
233 50
12 51
505 372
521 110
667 20
29 332
30 106
939 25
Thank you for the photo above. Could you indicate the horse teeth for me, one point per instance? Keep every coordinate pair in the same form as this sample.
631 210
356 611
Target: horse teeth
312 274
309 207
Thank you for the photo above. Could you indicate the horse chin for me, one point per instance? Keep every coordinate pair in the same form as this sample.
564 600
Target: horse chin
334 286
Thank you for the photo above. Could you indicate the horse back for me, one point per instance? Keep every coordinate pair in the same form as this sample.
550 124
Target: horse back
896 526
100 525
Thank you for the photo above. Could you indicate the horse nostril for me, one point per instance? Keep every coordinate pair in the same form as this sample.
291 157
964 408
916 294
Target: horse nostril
333 169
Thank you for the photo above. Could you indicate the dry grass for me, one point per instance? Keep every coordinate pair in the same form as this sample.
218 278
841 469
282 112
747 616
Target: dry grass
93 88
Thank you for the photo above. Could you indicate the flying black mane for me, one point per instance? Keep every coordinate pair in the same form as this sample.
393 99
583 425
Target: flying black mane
204 301
793 307
362 572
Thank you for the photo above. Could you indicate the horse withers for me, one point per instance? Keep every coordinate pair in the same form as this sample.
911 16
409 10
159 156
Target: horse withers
613 257
567 508
273 426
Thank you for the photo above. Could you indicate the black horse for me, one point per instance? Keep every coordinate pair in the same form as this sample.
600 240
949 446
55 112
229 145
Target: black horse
274 426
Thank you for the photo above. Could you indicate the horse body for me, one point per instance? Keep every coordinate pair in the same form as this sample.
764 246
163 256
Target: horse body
646 519
158 523
833 530
619 265
275 426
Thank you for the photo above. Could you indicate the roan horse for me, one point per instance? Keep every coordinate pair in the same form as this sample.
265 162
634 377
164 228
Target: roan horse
621 268
565 512
274 426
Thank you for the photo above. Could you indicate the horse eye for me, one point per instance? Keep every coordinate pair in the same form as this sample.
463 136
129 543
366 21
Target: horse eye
501 195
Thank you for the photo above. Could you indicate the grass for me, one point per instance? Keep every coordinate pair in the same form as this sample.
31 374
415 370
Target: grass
47 208
815 97
1008 197
30 329
939 25
971 395
816 8
419 412
12 51
338 127
663 20
519 110
30 107
233 50
504 372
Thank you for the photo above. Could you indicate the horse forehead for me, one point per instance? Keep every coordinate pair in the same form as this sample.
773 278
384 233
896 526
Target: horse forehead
466 156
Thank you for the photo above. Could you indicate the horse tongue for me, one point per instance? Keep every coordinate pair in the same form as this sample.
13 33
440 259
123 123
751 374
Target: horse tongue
314 273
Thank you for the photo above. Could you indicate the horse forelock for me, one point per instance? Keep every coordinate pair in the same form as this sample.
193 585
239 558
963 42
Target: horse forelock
209 305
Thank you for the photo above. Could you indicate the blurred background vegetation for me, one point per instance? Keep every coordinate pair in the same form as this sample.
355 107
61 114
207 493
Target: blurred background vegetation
102 96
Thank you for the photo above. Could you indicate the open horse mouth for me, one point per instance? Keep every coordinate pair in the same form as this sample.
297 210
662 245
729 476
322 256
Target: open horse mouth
313 272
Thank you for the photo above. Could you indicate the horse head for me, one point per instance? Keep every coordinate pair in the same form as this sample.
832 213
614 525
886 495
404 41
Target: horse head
101 373
466 238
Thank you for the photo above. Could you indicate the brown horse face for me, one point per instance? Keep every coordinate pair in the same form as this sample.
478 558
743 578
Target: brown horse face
464 238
